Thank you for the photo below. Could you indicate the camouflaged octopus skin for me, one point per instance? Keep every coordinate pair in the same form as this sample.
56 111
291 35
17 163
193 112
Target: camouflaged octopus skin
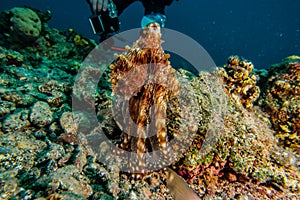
144 76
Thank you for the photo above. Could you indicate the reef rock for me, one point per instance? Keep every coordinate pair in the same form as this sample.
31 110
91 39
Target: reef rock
41 114
24 24
16 121
240 82
281 100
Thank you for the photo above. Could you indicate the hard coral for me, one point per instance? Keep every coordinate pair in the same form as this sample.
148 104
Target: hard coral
10 57
240 82
25 24
235 144
281 100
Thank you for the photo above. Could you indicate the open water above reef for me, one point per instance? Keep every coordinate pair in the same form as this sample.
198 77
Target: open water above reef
262 31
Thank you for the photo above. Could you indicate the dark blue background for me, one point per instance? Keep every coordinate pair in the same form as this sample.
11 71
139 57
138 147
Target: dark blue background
263 31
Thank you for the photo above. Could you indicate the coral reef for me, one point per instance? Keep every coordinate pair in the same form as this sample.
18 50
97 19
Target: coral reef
9 57
26 25
237 146
240 82
23 24
281 100
232 154
35 87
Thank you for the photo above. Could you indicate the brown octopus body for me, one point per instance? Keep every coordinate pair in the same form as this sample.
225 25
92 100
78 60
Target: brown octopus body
143 82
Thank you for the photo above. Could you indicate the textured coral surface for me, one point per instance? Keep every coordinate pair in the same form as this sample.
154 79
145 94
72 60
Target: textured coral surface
234 154
23 24
281 100
239 81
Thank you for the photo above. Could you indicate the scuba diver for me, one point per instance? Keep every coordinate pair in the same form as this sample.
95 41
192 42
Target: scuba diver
104 19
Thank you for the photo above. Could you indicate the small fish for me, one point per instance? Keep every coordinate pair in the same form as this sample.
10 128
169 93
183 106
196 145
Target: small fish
178 187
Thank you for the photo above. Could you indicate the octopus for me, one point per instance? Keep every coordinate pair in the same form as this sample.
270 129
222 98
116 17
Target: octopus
143 85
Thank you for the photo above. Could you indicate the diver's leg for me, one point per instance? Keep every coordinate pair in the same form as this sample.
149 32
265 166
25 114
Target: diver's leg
157 6
123 4
152 6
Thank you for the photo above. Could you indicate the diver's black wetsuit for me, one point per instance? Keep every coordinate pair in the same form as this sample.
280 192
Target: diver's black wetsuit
151 6
155 6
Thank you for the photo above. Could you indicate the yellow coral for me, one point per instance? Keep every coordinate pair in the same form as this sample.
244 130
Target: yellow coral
292 57
241 83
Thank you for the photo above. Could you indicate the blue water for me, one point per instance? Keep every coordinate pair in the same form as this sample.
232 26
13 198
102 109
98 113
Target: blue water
263 31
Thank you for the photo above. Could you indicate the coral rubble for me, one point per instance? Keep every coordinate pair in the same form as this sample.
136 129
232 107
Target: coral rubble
36 79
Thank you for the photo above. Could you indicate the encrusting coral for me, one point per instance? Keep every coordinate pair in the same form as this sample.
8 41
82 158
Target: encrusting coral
240 82
235 145
24 24
281 100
